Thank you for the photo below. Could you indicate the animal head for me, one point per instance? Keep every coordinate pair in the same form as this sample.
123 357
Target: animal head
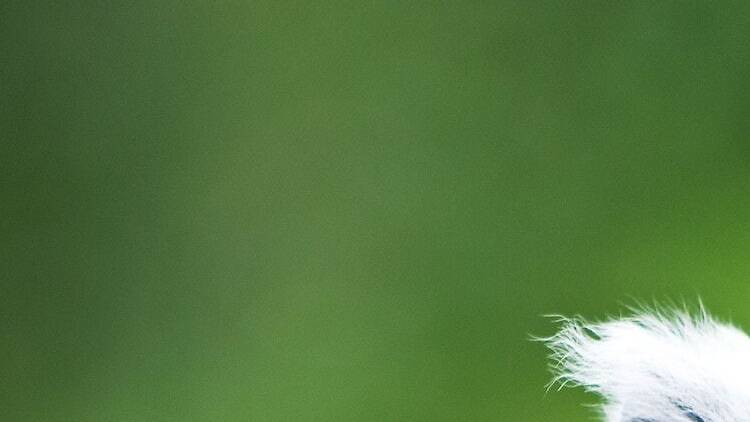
657 366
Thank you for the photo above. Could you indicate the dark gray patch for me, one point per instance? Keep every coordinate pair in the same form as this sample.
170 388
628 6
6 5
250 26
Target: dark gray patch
689 412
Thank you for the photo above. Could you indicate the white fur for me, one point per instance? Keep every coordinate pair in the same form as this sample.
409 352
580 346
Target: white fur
658 366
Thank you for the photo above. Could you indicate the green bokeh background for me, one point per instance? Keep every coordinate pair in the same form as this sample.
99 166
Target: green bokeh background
354 211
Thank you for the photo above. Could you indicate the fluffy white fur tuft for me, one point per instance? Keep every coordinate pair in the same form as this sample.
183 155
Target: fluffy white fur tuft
657 366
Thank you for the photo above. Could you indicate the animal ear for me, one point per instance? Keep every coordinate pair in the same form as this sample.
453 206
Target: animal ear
657 366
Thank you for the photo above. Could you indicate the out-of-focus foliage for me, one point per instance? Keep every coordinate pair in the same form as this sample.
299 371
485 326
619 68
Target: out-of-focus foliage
354 211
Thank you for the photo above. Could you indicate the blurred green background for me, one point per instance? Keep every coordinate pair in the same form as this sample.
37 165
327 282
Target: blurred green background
354 211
